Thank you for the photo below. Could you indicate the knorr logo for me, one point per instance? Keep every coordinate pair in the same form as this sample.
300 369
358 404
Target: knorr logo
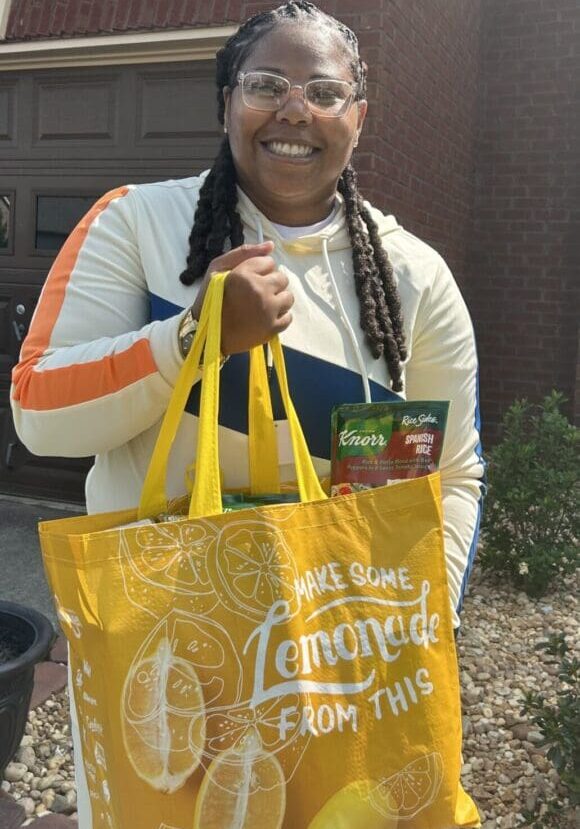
353 438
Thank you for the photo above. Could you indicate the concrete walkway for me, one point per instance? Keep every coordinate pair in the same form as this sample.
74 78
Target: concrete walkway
22 576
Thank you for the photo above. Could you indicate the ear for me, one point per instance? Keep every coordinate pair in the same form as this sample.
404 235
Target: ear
362 114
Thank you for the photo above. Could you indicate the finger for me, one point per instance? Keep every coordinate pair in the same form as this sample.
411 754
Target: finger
284 303
274 280
279 282
282 323
260 265
235 257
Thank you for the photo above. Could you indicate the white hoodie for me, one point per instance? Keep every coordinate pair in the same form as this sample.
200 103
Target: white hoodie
98 366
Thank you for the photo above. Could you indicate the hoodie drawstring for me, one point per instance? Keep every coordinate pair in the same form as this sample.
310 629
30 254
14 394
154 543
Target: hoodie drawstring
342 314
269 356
345 321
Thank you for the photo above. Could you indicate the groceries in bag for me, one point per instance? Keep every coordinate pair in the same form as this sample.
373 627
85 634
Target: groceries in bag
376 444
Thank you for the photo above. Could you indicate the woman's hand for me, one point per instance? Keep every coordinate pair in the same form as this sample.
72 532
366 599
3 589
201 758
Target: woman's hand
257 301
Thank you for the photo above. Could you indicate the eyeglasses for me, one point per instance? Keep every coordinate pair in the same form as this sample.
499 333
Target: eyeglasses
268 92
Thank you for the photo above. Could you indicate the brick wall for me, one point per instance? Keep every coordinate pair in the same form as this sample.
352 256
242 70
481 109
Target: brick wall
525 256
418 156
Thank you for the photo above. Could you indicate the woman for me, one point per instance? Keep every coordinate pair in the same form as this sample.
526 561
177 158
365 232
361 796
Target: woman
364 308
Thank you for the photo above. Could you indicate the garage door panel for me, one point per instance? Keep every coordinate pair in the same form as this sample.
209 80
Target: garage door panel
66 137
173 108
6 332
8 114
76 110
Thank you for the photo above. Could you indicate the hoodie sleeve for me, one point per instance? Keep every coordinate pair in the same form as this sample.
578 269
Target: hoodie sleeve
443 366
93 372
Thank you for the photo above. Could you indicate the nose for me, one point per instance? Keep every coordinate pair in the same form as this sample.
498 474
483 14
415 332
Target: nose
295 110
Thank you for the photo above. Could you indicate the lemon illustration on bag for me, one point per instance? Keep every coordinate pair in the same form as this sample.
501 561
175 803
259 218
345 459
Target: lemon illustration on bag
411 789
255 567
243 787
275 723
169 557
163 720
351 808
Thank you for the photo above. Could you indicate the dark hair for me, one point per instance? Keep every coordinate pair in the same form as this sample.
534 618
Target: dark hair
217 219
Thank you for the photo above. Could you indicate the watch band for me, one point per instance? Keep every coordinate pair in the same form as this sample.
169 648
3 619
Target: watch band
187 328
186 333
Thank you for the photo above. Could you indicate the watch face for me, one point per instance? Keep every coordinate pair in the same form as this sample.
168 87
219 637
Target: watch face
187 330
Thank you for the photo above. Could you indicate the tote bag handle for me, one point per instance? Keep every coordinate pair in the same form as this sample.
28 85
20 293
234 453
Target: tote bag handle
206 497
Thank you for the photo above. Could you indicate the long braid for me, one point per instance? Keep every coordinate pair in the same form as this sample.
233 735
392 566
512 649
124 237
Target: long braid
388 285
217 219
372 275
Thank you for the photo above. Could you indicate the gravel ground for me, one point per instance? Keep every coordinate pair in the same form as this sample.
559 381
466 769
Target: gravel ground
504 768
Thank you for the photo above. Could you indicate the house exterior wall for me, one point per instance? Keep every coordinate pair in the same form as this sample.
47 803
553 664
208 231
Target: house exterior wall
525 263
471 141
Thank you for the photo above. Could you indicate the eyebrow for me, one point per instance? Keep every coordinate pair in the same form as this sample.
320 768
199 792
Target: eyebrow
317 76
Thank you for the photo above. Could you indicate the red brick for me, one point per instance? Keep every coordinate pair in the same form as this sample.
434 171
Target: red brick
54 822
59 652
49 678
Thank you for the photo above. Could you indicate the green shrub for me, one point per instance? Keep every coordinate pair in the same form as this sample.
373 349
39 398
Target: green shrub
559 725
532 515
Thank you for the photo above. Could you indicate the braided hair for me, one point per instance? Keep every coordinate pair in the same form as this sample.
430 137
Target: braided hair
217 219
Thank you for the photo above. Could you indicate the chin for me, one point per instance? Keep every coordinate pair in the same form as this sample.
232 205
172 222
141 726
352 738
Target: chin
292 185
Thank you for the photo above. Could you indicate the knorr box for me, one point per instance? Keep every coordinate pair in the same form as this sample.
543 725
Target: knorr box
376 444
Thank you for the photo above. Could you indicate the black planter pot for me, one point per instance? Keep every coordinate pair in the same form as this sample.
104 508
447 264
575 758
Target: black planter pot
17 675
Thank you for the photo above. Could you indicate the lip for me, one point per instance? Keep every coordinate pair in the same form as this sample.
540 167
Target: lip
296 159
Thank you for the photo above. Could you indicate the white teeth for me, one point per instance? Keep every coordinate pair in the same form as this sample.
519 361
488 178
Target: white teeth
292 150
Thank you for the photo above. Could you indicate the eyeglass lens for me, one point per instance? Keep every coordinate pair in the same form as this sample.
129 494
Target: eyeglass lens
268 92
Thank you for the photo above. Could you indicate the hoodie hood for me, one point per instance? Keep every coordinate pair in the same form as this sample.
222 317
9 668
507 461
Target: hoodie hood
335 235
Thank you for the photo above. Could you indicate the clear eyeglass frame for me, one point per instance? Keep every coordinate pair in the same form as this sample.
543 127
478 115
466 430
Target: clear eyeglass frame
242 80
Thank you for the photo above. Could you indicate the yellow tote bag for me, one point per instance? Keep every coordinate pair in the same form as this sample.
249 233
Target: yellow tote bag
286 667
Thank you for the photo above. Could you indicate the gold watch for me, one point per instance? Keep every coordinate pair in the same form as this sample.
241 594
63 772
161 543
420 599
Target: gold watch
187 329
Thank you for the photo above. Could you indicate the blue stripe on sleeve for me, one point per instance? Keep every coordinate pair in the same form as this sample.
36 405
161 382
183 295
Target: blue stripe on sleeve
483 487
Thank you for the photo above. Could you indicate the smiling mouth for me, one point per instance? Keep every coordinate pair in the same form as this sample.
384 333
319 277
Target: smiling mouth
291 150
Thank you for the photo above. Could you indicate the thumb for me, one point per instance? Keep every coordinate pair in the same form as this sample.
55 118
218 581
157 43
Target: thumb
233 258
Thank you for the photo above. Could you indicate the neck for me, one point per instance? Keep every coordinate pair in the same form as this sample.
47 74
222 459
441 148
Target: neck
300 213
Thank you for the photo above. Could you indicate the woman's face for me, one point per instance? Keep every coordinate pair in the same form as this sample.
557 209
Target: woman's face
293 190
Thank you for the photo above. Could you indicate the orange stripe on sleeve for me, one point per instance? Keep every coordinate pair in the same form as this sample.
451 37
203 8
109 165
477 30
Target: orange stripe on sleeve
70 385
59 387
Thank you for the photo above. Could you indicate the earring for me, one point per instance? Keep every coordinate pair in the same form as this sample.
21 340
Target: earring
225 128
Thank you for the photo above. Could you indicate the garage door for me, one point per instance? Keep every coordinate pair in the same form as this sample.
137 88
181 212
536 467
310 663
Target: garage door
66 137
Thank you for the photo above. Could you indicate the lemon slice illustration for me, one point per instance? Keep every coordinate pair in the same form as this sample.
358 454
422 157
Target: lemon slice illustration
253 567
276 722
166 557
410 790
163 718
350 808
243 788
